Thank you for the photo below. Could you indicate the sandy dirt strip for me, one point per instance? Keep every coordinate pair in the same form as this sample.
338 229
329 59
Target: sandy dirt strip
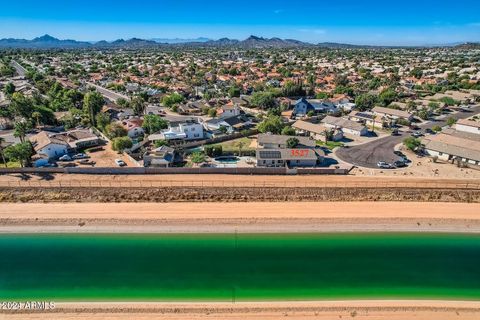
240 217
323 310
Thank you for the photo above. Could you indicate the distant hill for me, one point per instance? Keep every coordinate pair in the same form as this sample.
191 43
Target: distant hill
468 45
43 42
252 42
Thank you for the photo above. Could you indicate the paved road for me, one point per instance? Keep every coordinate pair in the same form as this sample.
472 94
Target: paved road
109 94
21 71
369 154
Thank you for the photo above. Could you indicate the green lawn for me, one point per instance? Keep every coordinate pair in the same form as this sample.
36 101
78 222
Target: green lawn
330 144
11 164
232 145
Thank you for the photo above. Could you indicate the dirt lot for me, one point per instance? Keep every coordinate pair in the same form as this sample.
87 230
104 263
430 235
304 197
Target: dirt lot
105 157
422 167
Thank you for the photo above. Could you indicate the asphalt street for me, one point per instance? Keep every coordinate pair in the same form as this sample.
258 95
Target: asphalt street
369 154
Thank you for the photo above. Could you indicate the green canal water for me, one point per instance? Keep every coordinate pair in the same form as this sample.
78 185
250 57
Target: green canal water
239 267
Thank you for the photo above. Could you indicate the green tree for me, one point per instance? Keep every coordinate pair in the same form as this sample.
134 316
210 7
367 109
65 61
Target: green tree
9 89
170 100
322 95
212 113
121 143
21 152
273 124
387 96
292 89
160 143
198 157
412 143
292 142
37 116
153 123
20 129
115 130
92 104
417 73
288 131
240 144
2 151
365 101
451 121
21 106
138 105
123 103
102 120
449 101
424 114
264 100
234 91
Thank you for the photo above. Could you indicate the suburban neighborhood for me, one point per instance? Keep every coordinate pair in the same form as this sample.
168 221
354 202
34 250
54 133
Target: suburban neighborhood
200 109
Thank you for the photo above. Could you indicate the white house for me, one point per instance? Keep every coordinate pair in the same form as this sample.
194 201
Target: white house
303 107
452 147
229 111
470 126
49 146
190 130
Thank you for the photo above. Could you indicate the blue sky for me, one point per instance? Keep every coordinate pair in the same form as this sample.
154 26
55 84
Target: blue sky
386 22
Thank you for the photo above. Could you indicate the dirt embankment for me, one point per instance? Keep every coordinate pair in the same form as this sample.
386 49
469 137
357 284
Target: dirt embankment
243 194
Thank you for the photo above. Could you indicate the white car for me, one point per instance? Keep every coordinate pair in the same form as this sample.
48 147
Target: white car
65 158
120 163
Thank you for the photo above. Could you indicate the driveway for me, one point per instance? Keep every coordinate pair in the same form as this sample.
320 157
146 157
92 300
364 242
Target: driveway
368 154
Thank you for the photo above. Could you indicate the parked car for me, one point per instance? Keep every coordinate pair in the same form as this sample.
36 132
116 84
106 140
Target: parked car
417 134
395 132
120 163
399 164
384 165
65 157
87 162
429 131
68 165
80 156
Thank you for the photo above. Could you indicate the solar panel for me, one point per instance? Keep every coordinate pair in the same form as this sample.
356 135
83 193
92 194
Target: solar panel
270 154
365 115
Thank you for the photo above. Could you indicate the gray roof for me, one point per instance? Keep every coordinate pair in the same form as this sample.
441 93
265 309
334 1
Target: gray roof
343 123
393 112
462 134
289 154
453 145
282 140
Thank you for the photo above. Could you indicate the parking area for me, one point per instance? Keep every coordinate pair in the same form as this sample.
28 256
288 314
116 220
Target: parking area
104 156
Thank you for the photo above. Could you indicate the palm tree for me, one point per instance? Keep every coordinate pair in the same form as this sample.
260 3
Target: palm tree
20 130
2 140
37 115
240 144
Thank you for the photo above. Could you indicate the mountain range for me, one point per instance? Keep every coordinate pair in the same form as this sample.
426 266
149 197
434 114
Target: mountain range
252 42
